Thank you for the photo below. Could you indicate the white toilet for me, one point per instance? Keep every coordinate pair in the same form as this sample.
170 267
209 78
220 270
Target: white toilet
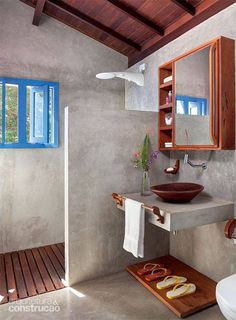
226 297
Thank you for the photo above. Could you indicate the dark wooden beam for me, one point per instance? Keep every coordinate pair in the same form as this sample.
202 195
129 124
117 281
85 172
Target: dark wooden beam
38 12
94 23
185 5
138 17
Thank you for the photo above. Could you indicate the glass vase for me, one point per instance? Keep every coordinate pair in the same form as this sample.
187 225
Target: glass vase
145 186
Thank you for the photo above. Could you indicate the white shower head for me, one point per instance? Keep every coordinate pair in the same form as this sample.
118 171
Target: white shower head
136 77
105 75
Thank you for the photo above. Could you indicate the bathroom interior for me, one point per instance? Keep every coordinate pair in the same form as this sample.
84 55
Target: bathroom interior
117 159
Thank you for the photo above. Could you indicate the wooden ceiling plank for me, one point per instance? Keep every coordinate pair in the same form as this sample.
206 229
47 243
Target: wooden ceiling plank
138 17
38 12
185 6
204 10
96 24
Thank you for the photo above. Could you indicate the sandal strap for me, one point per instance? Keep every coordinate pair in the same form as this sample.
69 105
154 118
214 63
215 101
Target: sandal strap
150 264
158 269
175 277
186 285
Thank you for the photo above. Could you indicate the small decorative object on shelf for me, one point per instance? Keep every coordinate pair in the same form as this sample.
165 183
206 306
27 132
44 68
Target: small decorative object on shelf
168 119
143 160
169 97
168 145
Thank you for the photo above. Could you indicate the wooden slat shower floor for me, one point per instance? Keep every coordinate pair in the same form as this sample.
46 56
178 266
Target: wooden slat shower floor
30 272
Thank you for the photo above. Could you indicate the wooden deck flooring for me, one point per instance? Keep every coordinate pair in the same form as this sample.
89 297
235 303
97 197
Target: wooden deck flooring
27 273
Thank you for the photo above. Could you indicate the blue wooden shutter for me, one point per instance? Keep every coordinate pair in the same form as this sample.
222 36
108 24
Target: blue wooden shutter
39 103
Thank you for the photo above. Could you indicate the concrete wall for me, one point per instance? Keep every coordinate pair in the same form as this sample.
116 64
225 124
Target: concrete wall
101 143
31 184
101 138
205 248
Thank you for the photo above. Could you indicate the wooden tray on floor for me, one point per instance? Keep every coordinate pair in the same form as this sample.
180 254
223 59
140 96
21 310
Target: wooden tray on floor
182 307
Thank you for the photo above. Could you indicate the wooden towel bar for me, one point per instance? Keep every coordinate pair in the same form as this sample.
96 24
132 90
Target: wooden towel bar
155 210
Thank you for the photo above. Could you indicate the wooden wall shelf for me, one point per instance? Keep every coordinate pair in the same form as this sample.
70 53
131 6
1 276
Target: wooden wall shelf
165 128
166 107
185 306
166 86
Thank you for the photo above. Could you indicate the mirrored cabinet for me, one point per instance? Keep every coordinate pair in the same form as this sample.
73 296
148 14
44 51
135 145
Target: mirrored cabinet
197 99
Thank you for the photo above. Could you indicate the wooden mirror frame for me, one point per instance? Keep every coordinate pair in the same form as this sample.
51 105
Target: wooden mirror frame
222 117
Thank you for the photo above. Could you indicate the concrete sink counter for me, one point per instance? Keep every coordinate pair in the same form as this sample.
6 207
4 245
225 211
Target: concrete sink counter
202 210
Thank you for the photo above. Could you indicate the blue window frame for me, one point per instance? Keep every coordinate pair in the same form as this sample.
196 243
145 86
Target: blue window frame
191 105
28 113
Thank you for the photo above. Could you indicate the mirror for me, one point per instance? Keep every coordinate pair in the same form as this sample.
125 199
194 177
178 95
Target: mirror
193 103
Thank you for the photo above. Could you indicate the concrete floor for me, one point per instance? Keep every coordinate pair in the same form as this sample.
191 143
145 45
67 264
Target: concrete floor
116 297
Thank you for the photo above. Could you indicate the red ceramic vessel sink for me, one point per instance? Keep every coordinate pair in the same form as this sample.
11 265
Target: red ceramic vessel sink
177 192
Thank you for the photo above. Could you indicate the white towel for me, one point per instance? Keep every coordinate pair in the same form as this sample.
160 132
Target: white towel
134 228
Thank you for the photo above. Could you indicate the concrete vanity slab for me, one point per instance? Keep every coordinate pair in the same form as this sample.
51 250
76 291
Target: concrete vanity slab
200 211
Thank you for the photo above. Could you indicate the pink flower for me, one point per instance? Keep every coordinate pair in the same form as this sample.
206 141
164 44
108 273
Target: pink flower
137 154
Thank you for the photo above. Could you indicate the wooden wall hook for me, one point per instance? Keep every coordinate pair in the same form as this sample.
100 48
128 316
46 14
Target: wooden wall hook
118 199
175 168
230 229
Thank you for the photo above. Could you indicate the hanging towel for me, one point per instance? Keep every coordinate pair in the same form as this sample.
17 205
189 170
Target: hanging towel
134 228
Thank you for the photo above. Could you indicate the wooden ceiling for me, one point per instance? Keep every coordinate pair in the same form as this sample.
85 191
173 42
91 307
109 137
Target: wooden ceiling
135 28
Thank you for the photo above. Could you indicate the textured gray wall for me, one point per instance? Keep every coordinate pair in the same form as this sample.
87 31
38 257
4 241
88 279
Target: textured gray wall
102 138
101 142
31 184
205 248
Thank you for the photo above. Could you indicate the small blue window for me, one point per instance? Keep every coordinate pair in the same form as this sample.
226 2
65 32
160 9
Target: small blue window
191 106
28 113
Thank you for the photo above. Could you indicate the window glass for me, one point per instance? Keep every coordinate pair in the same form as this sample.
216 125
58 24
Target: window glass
0 112
51 115
11 117
28 89
38 108
180 107
193 108
37 114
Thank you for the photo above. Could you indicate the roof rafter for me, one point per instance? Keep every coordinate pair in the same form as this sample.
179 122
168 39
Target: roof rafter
96 24
138 17
185 6
38 12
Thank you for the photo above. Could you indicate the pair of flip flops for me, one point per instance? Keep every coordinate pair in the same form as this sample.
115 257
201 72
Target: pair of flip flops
181 288
154 271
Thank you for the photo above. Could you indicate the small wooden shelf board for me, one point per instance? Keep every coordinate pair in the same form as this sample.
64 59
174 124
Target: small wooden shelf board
203 297
166 107
166 86
165 128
